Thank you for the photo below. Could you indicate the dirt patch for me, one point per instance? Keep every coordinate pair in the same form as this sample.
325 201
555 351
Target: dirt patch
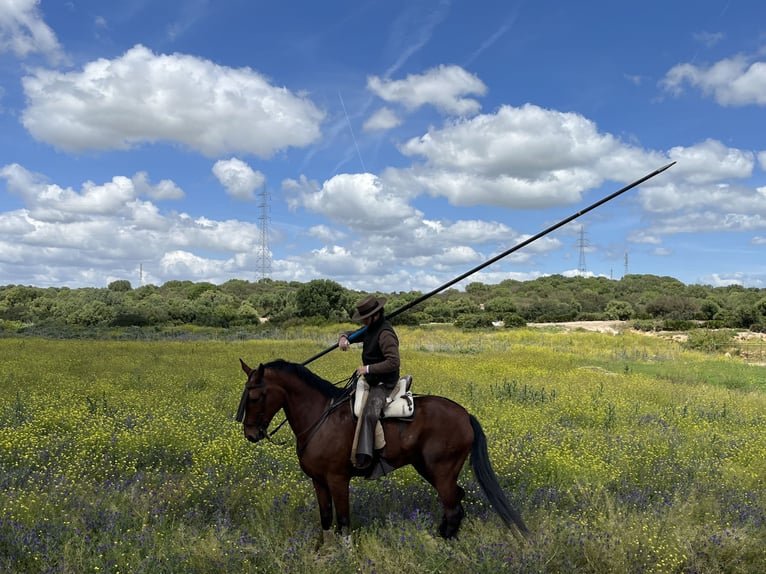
611 327
615 327
749 346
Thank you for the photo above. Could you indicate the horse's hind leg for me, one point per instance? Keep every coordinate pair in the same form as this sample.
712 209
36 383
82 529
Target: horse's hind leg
453 515
444 480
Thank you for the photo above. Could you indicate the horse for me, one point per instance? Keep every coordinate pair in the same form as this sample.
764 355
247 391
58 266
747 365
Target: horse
436 442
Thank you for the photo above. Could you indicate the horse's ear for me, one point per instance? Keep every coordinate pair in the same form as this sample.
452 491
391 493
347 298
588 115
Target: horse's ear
245 368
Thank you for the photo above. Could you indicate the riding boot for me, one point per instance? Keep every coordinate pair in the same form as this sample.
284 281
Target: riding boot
370 417
364 448
380 466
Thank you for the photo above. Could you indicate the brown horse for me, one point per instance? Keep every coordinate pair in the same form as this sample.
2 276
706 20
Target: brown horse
436 442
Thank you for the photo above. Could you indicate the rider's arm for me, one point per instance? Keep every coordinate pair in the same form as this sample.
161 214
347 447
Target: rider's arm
389 344
343 341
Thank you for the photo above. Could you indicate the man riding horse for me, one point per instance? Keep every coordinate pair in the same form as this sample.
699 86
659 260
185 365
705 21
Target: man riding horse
380 367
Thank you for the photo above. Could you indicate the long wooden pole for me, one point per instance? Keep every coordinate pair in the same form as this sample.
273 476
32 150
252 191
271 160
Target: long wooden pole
356 334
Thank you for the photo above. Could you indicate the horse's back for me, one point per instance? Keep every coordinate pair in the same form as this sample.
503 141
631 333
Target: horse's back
436 407
436 419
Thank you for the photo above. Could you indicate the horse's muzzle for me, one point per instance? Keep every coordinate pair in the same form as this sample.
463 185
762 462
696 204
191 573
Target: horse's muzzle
255 435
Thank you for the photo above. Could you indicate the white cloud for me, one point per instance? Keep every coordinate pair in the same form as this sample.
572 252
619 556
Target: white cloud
325 233
731 82
64 237
710 161
700 181
444 87
23 31
642 236
707 221
186 265
142 97
718 280
239 179
51 202
358 201
521 141
383 119
526 157
165 189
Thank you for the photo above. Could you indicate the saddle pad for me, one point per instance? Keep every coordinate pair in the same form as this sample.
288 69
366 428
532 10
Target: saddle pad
400 403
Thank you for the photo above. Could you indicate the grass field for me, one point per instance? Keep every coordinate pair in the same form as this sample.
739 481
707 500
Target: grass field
623 453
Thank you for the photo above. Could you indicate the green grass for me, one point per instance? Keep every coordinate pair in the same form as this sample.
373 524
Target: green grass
623 453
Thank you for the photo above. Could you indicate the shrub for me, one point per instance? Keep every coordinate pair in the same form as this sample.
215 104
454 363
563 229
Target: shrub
709 341
473 321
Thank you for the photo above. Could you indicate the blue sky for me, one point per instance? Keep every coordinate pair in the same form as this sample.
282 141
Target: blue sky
387 145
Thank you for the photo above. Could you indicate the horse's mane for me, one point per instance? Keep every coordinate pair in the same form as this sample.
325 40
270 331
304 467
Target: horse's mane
325 387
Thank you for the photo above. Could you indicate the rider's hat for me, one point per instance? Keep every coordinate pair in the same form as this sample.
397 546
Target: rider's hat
368 306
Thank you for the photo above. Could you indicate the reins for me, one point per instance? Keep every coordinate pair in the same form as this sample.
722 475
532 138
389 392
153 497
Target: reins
331 407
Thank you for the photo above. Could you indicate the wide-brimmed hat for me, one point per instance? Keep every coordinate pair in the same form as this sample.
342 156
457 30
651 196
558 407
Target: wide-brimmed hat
368 306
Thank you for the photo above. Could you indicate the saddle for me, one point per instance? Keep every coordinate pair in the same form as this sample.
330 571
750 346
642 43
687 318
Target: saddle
399 404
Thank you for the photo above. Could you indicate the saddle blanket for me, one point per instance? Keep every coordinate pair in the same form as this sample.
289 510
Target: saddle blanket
399 405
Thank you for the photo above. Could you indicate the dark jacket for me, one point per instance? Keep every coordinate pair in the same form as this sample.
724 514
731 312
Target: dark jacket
380 350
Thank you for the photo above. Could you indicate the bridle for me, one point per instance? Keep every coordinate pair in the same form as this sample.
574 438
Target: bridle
246 399
262 428
261 425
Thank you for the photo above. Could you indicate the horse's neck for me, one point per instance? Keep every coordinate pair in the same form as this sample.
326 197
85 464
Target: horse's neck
303 404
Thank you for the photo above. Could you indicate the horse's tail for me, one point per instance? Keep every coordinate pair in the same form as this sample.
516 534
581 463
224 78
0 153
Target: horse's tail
482 469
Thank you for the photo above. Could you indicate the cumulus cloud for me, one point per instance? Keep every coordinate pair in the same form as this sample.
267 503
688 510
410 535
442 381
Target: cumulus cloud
54 203
527 157
523 141
183 264
165 189
325 233
444 87
142 97
119 196
239 179
733 81
23 31
708 221
705 179
357 201
710 161
383 119
62 236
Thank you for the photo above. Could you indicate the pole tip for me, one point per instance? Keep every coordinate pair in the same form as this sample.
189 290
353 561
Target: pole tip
663 168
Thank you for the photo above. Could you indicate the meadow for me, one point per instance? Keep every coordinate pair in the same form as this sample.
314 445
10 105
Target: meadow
623 453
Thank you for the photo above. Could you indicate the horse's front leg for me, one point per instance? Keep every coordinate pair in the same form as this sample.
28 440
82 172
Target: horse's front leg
325 508
339 491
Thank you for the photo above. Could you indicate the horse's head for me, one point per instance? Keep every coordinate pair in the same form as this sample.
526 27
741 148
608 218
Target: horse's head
259 403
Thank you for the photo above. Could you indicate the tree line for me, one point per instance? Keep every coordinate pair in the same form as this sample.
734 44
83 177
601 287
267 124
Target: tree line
650 301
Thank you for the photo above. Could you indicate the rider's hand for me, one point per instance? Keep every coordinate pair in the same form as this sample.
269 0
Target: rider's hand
343 343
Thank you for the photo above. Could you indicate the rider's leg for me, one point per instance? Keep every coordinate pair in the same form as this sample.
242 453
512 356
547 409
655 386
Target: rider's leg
372 409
